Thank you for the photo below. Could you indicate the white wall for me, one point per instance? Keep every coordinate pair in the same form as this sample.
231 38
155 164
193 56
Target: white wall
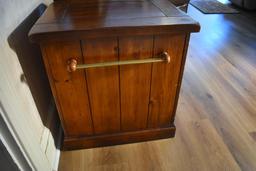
21 114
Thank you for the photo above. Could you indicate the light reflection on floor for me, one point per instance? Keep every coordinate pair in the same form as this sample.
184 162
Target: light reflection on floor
213 33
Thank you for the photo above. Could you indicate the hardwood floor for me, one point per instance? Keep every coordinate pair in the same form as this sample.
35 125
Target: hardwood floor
216 115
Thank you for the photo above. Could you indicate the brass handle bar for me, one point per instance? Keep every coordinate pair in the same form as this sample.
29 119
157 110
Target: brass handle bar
73 66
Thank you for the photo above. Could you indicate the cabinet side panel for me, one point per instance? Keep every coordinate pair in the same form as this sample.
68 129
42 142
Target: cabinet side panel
135 82
103 84
70 89
165 80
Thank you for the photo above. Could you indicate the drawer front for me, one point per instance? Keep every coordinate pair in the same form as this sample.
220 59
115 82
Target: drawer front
112 99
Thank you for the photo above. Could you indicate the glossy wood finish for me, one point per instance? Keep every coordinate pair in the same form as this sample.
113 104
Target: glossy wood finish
110 18
103 84
114 104
180 4
118 138
122 99
165 80
72 104
135 81
216 114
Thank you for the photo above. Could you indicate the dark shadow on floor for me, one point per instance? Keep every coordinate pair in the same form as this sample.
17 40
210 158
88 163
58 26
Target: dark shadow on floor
34 76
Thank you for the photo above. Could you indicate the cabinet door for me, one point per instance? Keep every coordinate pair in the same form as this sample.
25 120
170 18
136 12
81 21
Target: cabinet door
69 89
135 81
165 80
103 84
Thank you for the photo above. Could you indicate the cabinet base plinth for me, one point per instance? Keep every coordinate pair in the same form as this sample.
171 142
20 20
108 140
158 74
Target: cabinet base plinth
118 138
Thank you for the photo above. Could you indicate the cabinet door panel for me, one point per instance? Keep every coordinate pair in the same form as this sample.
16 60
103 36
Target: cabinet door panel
103 84
70 89
165 80
135 82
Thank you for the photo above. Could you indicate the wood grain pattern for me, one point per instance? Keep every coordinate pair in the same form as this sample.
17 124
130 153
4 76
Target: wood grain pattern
131 10
103 84
107 101
75 114
165 80
135 82
118 138
110 18
215 119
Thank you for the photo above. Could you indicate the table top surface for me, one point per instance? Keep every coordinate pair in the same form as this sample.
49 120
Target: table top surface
113 15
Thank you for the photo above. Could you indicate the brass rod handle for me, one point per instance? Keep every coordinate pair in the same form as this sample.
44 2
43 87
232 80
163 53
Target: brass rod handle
73 66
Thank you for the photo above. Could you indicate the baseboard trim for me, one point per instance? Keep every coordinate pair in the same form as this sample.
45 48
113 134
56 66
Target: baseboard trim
56 160
57 154
118 138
